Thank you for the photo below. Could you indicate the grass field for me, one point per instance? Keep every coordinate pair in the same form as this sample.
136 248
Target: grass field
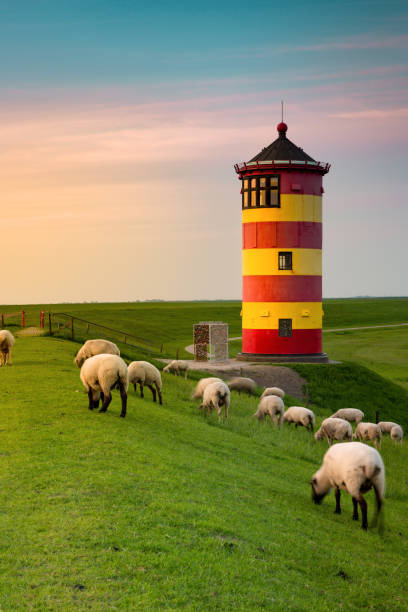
168 510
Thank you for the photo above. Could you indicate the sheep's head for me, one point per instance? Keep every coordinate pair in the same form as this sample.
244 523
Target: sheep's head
318 435
320 486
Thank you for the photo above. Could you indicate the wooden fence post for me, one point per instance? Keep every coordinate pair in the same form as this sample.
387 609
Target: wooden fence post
22 318
161 346
376 416
49 323
2 321
72 328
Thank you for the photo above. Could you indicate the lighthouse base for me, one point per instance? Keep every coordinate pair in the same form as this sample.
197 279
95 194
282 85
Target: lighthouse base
292 358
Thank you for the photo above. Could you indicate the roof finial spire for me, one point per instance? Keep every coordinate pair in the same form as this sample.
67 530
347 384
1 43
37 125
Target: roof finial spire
282 127
282 110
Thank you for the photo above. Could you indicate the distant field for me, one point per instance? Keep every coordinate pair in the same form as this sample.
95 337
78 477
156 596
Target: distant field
168 510
171 323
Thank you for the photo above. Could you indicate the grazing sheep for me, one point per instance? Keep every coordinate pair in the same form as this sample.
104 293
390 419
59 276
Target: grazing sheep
201 385
334 429
177 366
272 405
368 431
273 391
102 373
397 433
95 347
349 414
300 416
216 395
6 346
145 373
355 468
386 426
239 383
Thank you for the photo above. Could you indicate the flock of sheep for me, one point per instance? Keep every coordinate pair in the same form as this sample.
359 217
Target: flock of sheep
351 466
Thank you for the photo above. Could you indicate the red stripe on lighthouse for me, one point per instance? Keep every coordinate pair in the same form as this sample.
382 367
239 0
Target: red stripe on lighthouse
268 342
274 288
282 234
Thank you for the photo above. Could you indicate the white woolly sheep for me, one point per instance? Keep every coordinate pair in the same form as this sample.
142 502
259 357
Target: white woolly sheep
102 373
300 416
273 406
177 366
216 395
95 347
273 391
349 414
386 426
145 373
240 383
368 431
334 429
6 346
201 385
355 468
397 433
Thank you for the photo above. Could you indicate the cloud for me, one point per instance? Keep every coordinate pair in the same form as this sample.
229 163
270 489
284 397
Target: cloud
373 114
359 42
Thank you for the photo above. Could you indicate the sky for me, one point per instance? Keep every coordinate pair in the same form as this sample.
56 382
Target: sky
121 122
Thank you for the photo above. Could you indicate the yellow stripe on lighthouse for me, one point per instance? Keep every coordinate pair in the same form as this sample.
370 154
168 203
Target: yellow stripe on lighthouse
293 207
257 262
266 315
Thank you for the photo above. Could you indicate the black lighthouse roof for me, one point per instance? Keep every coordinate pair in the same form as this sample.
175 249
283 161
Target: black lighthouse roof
282 149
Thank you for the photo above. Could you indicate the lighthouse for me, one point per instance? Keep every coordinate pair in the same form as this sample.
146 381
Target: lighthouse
282 313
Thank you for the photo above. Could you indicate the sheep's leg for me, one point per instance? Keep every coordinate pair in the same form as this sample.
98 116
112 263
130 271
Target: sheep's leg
363 506
106 401
9 357
123 397
91 399
226 408
135 387
141 389
379 505
337 494
160 395
355 509
153 390
185 373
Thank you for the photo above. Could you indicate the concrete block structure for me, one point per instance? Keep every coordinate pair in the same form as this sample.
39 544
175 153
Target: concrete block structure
211 340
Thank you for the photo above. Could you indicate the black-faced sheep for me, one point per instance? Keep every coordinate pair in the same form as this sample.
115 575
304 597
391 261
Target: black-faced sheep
300 416
352 415
177 366
240 383
334 429
6 347
368 431
216 395
273 391
145 373
273 406
102 373
95 347
202 384
355 468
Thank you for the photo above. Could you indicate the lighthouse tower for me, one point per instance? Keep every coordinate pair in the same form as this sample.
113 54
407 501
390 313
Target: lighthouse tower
282 253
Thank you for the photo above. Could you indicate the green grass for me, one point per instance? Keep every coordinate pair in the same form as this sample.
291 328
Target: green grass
168 510
171 323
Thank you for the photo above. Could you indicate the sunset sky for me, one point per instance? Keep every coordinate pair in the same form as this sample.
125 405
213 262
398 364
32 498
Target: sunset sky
121 122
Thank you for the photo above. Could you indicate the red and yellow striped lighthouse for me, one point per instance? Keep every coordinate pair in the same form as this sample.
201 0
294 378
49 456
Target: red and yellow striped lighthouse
282 253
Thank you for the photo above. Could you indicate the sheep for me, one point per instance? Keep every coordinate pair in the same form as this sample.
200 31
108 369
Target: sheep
397 433
177 366
300 416
6 347
272 405
355 468
368 431
334 429
216 394
145 373
95 347
102 373
201 385
239 383
273 391
386 426
349 414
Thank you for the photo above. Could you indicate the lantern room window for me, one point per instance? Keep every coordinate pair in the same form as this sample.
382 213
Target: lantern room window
285 260
261 192
285 328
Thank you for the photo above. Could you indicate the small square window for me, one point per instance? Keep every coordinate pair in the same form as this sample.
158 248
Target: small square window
285 260
285 328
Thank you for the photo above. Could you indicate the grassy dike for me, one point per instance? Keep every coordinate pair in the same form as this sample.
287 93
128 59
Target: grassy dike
169 510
